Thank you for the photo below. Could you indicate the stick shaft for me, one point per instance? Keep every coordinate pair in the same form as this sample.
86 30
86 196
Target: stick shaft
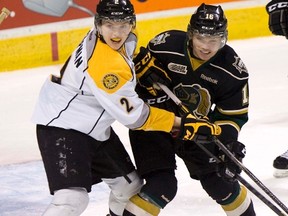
250 174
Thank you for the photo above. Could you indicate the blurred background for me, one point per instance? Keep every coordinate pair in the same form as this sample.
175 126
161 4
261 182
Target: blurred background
40 32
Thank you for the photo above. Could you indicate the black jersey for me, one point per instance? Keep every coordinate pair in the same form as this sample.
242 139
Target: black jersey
218 88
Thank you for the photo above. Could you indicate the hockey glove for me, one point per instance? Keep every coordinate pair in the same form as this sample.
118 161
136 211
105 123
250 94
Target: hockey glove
149 71
192 127
227 169
278 17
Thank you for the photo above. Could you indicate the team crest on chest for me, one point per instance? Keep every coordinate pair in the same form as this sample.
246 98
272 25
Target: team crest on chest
110 81
195 97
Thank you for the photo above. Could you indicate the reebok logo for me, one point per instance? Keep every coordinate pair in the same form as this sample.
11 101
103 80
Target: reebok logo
209 79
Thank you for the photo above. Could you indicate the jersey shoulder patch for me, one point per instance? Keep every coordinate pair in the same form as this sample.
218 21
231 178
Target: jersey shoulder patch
229 62
168 41
108 68
239 65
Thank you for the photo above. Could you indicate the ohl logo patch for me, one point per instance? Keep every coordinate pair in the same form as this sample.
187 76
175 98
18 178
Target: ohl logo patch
110 81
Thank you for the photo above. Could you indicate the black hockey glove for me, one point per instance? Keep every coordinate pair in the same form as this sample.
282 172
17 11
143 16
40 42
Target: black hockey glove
192 128
228 169
149 71
278 17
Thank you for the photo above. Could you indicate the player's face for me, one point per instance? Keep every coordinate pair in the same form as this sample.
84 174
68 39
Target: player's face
115 32
206 46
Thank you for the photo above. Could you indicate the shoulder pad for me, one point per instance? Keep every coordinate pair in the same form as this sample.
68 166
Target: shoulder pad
167 40
229 62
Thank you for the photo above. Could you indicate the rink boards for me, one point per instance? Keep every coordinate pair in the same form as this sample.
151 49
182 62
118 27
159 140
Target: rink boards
55 46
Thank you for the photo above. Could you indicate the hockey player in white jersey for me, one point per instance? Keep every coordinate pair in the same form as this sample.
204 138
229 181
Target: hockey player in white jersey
74 113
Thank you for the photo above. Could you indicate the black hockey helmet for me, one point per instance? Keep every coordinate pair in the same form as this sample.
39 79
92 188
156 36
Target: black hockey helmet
208 19
119 10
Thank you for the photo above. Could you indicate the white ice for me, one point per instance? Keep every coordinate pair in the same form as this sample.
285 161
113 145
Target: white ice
23 185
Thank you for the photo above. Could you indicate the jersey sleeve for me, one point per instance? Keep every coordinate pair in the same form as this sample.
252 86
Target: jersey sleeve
159 119
231 121
231 111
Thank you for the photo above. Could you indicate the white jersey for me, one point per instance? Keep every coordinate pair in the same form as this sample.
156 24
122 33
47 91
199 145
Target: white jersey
96 88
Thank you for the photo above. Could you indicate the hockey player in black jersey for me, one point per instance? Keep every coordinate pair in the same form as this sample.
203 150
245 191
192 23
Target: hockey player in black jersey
211 80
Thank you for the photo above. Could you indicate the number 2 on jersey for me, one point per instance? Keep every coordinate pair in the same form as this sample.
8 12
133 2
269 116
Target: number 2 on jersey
125 102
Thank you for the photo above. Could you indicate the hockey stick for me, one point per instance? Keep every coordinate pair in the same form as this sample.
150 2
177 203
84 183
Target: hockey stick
250 174
245 183
178 102
4 14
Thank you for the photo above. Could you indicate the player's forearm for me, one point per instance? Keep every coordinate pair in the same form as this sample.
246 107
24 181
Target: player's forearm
159 120
177 123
